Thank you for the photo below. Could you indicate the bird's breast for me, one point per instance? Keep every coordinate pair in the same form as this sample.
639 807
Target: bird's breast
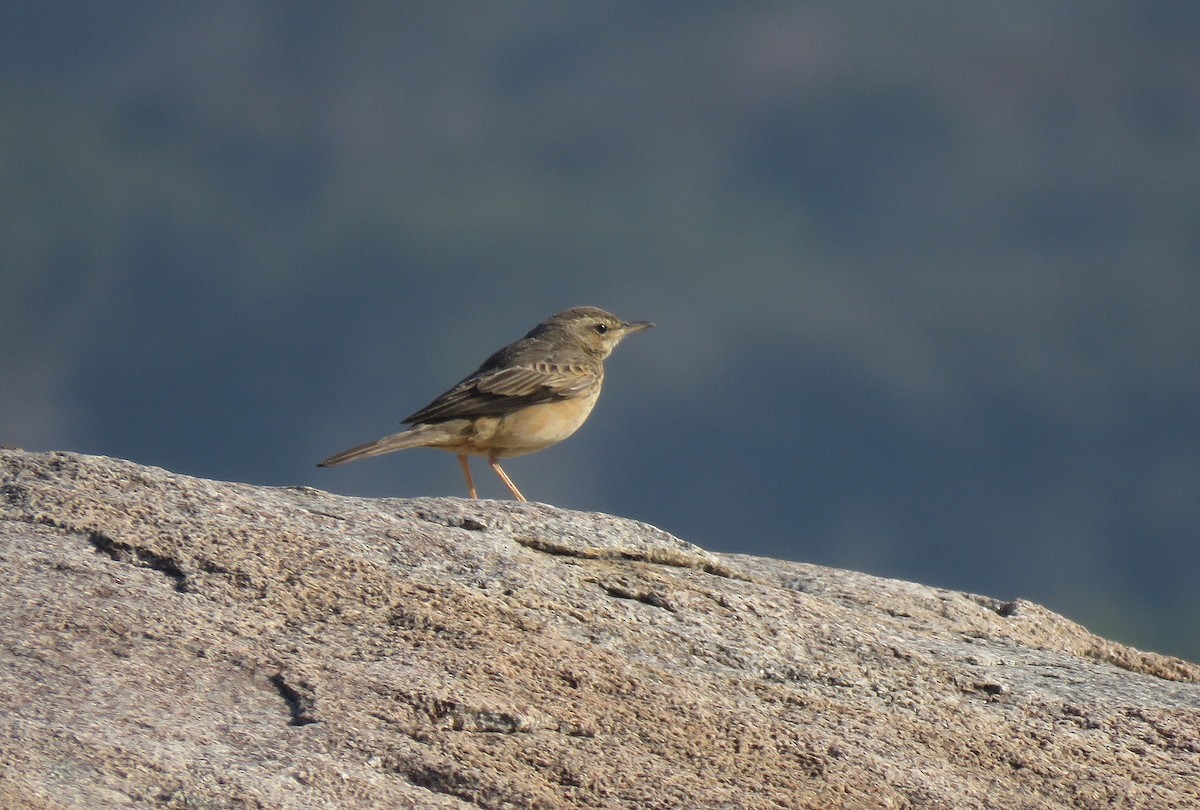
540 426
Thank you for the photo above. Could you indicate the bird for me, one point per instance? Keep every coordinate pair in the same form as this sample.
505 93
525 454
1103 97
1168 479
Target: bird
527 396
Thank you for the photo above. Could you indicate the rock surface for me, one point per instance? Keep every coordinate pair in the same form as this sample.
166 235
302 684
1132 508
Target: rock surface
174 642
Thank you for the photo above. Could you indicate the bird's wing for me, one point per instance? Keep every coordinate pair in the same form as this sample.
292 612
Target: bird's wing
499 391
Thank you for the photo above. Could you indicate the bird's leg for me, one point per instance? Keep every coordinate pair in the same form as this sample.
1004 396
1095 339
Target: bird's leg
466 465
503 477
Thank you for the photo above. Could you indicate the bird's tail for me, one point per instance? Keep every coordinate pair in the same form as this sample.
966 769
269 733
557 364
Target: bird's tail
416 437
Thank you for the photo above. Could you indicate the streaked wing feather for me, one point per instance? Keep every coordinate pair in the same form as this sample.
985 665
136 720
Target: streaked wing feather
552 379
493 393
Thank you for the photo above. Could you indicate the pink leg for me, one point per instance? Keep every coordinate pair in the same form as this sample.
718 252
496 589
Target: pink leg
466 465
507 481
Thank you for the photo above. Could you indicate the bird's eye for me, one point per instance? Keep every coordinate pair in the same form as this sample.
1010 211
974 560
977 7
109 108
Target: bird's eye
601 328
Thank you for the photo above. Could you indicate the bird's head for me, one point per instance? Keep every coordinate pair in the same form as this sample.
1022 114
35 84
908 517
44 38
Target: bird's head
593 330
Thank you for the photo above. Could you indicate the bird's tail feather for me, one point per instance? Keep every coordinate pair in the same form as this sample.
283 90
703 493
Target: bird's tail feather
416 437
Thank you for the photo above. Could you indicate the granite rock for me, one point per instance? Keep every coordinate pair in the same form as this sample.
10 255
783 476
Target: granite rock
169 641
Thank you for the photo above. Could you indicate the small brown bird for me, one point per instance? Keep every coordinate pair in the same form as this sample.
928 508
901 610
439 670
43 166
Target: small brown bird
529 395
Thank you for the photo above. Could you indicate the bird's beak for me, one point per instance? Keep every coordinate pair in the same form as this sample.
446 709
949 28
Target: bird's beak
636 326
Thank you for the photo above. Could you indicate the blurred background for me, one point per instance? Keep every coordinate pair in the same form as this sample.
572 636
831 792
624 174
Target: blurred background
926 276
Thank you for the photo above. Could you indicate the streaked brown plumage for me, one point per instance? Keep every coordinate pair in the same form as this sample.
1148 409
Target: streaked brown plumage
529 395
